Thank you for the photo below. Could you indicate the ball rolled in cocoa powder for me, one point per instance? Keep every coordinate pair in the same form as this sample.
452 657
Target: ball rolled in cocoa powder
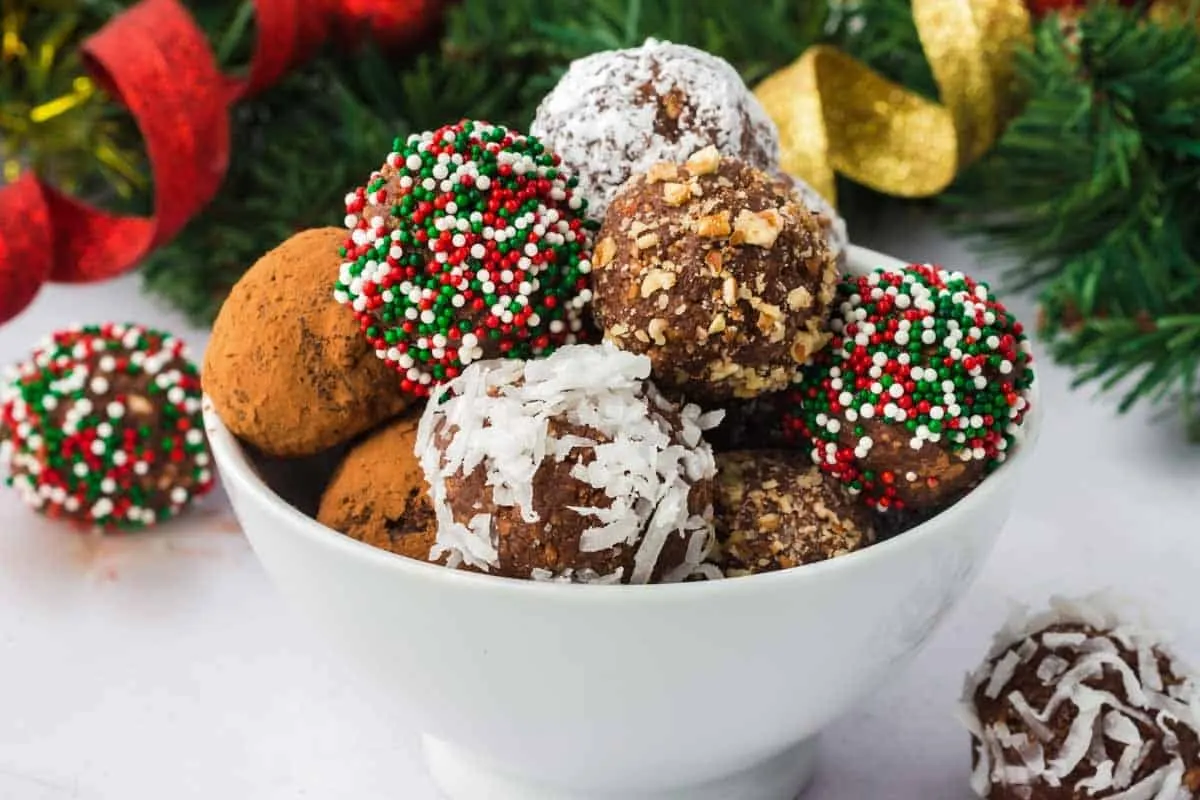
287 368
379 496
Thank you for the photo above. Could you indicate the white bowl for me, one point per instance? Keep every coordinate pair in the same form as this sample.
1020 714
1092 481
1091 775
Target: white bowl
700 691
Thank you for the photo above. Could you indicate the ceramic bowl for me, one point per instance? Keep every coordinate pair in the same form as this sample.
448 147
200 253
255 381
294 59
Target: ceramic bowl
700 691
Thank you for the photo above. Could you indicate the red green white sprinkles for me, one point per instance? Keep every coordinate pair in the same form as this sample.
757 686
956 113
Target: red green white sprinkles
470 242
102 427
927 352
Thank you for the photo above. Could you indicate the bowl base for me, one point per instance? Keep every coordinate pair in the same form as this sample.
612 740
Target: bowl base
460 775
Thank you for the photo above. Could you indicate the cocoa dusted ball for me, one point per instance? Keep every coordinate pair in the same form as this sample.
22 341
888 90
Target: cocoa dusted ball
570 468
287 368
773 510
717 274
102 427
1073 704
617 113
378 494
922 391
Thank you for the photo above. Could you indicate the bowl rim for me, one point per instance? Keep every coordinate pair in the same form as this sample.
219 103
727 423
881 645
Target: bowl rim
233 465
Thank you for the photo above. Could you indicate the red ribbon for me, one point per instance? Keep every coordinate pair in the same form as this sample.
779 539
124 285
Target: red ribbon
155 60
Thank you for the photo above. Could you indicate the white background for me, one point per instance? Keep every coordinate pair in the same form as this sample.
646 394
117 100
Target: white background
163 666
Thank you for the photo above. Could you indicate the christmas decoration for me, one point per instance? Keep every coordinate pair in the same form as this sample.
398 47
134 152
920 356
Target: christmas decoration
836 115
1095 188
156 59
102 427
469 243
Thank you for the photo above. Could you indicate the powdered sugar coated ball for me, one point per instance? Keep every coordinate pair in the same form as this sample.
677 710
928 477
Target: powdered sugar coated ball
619 112
569 468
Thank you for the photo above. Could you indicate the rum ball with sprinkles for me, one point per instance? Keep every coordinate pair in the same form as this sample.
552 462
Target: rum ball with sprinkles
921 392
102 427
469 243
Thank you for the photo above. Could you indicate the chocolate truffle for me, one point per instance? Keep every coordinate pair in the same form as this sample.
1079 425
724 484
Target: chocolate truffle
832 224
1073 704
774 510
378 494
717 274
922 391
571 467
102 427
287 368
617 113
469 243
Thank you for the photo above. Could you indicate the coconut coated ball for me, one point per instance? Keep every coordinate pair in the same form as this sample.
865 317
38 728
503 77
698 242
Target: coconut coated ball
102 427
922 391
287 368
717 274
469 243
773 510
378 494
617 113
570 468
1073 704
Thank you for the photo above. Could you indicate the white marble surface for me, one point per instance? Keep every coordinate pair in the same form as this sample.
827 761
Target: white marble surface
164 665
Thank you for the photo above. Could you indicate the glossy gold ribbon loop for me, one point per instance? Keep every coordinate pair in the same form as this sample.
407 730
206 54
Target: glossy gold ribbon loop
838 116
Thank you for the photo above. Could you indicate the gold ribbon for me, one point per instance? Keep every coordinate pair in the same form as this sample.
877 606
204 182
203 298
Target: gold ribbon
837 116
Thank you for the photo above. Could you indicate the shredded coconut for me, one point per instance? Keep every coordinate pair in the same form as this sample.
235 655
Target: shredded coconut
497 416
1073 661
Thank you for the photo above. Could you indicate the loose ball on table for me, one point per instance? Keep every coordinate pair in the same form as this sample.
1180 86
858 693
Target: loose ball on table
1073 704
775 511
717 274
102 427
287 368
921 392
618 113
469 243
378 494
570 468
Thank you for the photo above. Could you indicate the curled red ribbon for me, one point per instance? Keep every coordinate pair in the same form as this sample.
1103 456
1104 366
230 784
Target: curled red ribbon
155 60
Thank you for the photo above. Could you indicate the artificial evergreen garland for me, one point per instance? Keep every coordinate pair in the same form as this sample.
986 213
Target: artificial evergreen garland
1095 184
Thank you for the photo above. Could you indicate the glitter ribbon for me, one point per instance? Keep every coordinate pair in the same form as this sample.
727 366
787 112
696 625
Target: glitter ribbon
838 116
155 60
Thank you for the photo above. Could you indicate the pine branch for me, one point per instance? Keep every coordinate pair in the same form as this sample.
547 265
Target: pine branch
882 34
1095 187
303 144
